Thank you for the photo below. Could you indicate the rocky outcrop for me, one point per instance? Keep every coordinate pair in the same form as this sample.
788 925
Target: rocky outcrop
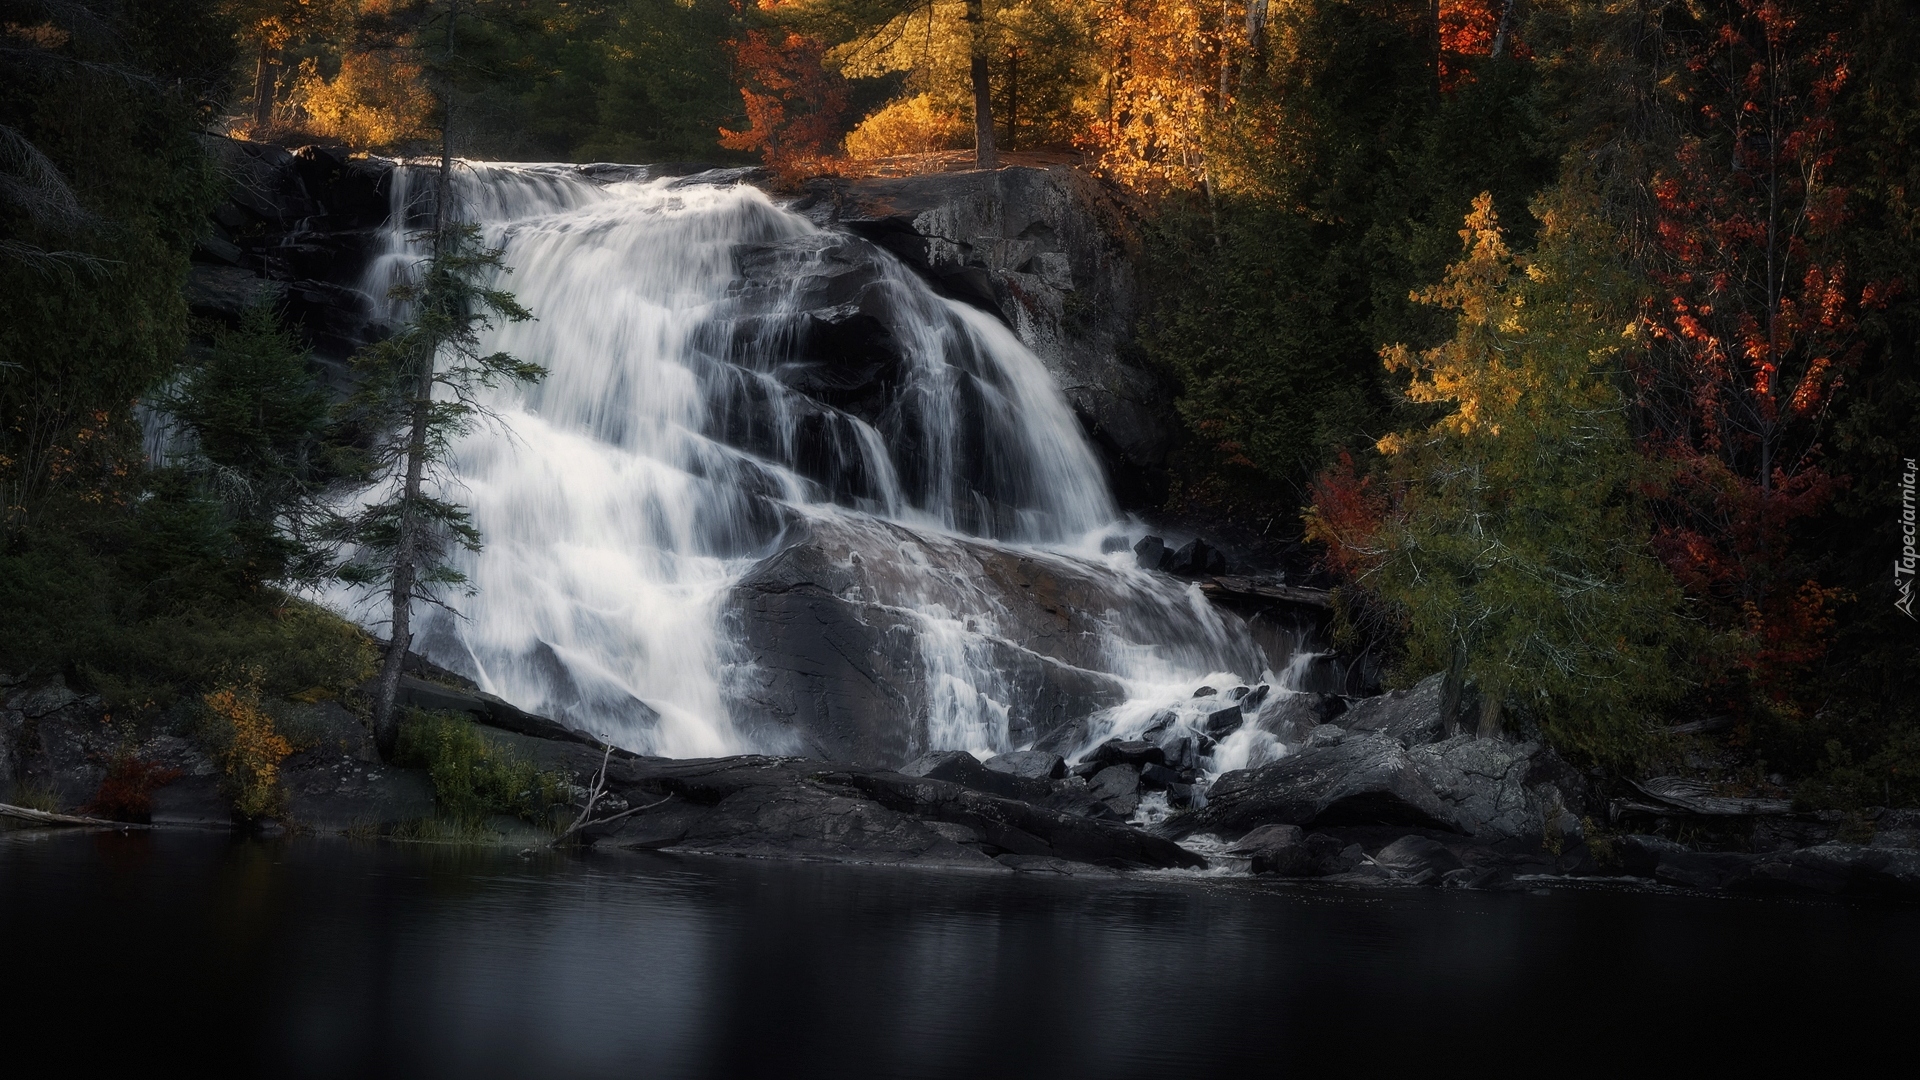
1048 250
795 808
1386 761
1359 780
841 663
300 226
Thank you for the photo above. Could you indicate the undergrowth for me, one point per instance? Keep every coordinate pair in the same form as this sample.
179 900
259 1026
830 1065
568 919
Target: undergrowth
473 776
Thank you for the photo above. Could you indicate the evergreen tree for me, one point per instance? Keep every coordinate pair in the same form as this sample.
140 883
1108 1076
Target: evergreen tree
1511 537
258 419
421 387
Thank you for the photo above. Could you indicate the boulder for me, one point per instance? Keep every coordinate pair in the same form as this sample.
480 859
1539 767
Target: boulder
1118 788
1223 722
1496 790
1157 777
1150 553
1417 858
1276 849
960 767
1412 716
1290 715
1365 779
843 668
1190 559
1029 764
1134 752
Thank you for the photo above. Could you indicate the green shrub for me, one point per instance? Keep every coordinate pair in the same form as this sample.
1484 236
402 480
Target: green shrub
474 776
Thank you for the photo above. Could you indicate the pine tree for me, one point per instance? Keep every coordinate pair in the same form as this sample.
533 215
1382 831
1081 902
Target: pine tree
1513 540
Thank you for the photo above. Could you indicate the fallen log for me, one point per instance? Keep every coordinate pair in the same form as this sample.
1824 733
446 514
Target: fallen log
1246 588
42 817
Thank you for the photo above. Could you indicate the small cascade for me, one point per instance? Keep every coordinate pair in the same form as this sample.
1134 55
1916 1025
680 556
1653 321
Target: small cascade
745 412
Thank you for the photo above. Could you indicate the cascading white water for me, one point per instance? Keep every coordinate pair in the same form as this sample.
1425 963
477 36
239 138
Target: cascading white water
666 454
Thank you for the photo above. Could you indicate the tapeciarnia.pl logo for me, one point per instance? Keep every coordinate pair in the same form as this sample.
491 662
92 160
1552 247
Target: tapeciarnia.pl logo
1903 567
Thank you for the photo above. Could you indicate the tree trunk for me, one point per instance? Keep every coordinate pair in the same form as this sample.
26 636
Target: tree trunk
263 83
983 152
1489 716
406 548
1256 39
1013 97
1500 35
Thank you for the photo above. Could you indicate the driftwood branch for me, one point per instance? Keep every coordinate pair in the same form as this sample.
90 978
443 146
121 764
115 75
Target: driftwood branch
596 790
42 817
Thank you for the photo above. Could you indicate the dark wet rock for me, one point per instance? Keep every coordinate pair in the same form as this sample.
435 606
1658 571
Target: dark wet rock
1186 795
1366 779
1047 864
1205 691
1290 716
1417 857
1132 752
1157 777
1224 722
1047 250
1118 788
1190 559
1255 697
1412 716
1150 553
1324 735
838 671
960 767
1276 849
1029 764
797 808
303 224
1834 869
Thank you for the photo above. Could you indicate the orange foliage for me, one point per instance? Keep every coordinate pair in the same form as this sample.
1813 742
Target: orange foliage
796 108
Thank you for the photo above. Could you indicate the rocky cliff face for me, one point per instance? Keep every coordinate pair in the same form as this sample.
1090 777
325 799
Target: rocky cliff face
1047 249
299 225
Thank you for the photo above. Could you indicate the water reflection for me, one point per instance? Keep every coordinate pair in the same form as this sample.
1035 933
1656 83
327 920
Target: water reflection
318 958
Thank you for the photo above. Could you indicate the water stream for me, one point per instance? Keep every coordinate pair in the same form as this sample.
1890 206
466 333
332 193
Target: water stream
684 435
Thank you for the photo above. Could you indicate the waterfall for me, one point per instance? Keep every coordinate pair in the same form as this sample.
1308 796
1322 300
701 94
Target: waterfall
728 379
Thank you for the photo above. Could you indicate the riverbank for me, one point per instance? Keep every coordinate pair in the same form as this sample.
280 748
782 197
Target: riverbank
1382 793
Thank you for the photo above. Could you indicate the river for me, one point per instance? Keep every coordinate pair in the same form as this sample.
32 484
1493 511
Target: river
339 958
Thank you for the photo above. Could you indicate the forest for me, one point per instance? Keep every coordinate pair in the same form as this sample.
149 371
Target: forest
1575 340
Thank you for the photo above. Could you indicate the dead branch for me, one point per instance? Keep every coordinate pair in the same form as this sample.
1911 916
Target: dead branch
596 790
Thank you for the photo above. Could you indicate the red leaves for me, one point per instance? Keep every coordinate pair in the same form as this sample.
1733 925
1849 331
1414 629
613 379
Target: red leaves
1468 28
1346 517
126 792
796 108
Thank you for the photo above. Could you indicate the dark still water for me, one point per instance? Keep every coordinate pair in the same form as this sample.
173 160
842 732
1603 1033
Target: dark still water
329 958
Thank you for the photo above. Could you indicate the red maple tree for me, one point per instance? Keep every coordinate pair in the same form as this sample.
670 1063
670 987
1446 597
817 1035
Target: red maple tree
1753 327
796 108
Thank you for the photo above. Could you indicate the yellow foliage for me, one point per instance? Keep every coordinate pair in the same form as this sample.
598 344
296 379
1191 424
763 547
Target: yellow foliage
376 102
908 126
253 751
